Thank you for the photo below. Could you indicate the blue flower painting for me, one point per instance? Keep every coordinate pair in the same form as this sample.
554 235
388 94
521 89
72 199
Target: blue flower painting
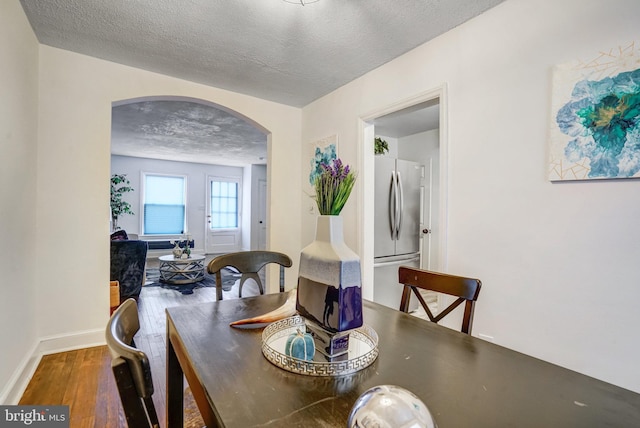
321 156
599 124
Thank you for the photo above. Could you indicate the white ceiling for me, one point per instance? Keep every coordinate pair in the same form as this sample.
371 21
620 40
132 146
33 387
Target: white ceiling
270 49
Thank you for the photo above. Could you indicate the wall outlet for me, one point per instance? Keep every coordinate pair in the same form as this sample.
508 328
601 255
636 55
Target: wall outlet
486 337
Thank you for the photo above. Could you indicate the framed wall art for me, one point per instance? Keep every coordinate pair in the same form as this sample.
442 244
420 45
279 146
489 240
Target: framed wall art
595 117
321 151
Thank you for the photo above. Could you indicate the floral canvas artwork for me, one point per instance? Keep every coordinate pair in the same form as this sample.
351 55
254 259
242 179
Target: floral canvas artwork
322 151
595 126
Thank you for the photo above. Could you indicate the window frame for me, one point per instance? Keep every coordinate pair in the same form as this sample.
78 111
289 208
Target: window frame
143 185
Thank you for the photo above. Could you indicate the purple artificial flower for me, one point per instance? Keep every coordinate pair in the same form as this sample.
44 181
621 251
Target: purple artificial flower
333 186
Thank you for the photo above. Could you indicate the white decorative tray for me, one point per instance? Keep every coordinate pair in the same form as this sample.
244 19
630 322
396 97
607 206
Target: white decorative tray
363 350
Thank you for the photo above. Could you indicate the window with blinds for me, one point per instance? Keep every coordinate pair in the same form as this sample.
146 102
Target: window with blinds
164 204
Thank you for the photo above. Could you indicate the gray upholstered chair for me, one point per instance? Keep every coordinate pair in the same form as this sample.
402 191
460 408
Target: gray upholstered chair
248 263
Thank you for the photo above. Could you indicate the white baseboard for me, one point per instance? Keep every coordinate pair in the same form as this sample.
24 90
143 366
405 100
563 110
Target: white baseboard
18 383
70 342
14 389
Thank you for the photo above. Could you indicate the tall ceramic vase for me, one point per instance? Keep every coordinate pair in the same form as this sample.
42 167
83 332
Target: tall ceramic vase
330 288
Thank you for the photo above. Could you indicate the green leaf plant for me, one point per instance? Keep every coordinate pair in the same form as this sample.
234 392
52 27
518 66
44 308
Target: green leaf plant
119 186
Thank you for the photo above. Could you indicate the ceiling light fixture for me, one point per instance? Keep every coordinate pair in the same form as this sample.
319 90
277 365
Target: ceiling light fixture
301 2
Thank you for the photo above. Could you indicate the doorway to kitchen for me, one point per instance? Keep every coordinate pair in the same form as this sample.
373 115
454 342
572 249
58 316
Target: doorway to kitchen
414 130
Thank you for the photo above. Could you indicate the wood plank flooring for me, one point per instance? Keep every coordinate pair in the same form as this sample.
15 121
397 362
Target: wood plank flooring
82 379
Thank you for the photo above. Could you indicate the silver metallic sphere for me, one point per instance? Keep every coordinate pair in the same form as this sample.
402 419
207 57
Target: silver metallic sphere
390 406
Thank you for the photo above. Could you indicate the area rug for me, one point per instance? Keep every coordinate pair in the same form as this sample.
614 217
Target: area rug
229 278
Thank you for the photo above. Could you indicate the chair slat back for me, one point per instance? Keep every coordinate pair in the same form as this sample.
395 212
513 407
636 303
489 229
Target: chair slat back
466 289
248 263
131 367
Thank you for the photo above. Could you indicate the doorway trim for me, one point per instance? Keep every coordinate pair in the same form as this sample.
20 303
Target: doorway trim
366 161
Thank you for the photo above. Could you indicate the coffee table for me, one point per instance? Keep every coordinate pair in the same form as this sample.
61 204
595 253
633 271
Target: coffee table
181 271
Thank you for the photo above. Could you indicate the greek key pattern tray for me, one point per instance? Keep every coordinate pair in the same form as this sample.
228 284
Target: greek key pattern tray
363 350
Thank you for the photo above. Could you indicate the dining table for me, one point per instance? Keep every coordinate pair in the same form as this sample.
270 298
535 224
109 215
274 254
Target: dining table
464 381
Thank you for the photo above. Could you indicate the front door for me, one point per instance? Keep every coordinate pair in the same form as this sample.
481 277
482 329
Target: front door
224 200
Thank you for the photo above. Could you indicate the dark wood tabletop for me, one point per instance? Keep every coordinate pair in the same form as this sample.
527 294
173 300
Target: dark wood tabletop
464 381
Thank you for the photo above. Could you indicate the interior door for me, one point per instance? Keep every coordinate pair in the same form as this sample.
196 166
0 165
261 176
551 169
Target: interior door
224 200
262 209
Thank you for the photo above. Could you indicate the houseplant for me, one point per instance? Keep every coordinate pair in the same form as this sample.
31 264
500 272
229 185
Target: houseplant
119 186
329 293
380 146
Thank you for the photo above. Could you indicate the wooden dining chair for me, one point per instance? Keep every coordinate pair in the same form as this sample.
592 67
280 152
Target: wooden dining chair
132 371
465 289
248 263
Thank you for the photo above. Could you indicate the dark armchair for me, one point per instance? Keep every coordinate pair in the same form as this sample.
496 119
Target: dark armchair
128 259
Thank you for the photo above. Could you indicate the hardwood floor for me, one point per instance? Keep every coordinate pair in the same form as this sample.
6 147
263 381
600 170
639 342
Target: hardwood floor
83 380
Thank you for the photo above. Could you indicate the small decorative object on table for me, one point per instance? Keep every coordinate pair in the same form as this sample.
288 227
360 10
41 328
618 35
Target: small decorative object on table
180 250
390 406
363 350
300 345
186 251
177 251
329 282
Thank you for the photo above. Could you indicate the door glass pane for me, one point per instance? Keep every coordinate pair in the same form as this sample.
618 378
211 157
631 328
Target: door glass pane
224 205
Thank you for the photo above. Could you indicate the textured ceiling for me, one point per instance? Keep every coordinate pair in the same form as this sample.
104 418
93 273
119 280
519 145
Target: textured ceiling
185 131
270 49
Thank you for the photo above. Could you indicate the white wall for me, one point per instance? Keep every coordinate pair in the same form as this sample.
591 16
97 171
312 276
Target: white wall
558 262
76 96
64 100
18 228
196 175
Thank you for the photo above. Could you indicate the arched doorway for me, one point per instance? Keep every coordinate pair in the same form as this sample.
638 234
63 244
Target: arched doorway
204 143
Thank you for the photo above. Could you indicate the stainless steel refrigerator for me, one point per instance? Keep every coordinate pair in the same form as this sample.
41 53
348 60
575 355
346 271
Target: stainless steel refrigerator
398 199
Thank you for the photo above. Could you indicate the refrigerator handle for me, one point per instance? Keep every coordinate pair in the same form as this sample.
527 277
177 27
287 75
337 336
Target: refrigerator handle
396 206
400 208
392 206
